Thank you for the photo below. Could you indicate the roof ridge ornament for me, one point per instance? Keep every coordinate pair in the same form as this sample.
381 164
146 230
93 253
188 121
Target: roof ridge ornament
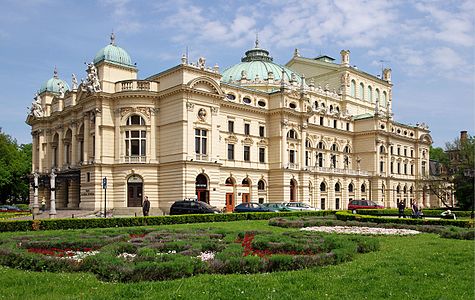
55 72
257 40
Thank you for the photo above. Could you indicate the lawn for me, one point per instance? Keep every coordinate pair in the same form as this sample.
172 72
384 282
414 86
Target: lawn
424 266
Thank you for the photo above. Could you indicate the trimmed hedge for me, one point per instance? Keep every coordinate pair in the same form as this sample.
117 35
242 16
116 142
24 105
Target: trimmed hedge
57 224
348 216
408 212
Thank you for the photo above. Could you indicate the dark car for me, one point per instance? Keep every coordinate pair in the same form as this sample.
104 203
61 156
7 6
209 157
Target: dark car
251 207
276 207
9 208
363 204
183 207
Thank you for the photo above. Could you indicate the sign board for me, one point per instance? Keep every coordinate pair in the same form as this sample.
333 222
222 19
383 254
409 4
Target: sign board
104 183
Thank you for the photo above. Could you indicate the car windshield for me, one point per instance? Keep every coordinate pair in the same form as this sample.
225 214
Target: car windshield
371 203
204 204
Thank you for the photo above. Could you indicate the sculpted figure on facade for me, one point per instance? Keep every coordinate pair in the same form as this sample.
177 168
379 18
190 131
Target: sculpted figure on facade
36 109
74 81
201 62
61 89
91 84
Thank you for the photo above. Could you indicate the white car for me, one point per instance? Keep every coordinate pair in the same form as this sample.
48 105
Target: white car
299 206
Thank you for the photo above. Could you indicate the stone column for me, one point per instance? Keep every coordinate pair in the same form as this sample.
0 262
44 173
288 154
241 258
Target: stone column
60 151
52 211
40 151
98 134
86 138
74 146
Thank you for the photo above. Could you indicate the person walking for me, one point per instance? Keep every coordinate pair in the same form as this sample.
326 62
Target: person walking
145 206
415 210
401 206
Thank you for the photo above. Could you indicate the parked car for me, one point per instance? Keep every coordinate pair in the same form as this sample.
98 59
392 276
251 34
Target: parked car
183 207
276 207
11 208
251 207
353 205
299 206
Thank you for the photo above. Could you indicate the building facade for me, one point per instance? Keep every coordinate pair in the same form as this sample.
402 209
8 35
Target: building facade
258 131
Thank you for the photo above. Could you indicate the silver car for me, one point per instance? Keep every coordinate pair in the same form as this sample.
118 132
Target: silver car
299 206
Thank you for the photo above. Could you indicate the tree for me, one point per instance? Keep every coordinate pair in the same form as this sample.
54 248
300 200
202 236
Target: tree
461 167
15 167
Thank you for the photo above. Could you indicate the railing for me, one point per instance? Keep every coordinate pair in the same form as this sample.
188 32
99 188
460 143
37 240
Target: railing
136 85
338 171
293 166
135 159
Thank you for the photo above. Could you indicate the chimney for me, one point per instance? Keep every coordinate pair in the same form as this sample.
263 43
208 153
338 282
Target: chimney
463 136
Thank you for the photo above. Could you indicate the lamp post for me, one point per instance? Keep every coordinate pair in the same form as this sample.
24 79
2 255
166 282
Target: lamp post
35 195
52 211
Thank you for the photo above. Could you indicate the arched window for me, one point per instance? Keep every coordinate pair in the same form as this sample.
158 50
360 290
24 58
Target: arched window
331 108
347 149
135 139
377 95
321 145
320 159
384 100
363 188
308 144
398 189
411 189
353 89
261 186
369 94
333 161
334 147
292 134
229 181
361 91
67 147
337 109
404 190
323 187
382 150
315 105
350 188
245 182
337 187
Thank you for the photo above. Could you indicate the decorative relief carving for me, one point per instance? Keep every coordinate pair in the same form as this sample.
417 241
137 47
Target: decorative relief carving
146 111
262 143
202 114
214 110
231 139
247 141
189 106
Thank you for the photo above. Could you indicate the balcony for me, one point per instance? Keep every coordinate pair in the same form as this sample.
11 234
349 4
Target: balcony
136 85
338 171
292 166
135 159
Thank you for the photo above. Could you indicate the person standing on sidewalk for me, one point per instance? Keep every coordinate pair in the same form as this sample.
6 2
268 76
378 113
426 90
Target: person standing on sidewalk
145 206
401 206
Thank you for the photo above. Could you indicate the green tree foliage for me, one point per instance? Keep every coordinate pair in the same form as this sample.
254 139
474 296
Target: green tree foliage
15 165
439 155
461 167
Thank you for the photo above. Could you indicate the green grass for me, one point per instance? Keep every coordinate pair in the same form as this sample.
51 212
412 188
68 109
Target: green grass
415 267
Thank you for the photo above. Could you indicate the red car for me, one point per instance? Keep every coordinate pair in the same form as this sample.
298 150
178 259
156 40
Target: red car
363 204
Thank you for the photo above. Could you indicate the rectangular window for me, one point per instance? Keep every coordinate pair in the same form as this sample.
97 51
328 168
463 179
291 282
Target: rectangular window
335 123
405 168
247 153
392 167
392 150
307 158
398 151
230 151
247 129
230 126
322 203
337 203
348 126
381 166
399 168
405 152
201 141
412 169
261 131
321 121
262 155
88 177
292 156
412 153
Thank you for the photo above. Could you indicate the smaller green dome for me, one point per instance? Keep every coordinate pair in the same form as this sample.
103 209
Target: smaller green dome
53 84
114 54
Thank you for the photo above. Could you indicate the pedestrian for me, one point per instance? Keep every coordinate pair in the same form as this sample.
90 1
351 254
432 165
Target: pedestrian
145 206
401 206
415 210
43 204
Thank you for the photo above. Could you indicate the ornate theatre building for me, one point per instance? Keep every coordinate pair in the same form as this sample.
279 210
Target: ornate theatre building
257 131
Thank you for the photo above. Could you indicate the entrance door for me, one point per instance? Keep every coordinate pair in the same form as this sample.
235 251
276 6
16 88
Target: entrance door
203 195
246 198
229 202
134 194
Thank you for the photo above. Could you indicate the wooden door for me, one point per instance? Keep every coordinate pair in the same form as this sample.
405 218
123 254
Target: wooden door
246 198
134 194
229 202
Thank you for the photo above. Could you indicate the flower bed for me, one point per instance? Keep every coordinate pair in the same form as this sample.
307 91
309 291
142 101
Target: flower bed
169 254
361 230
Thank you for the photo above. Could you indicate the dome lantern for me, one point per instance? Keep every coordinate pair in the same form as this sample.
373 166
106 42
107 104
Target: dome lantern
114 54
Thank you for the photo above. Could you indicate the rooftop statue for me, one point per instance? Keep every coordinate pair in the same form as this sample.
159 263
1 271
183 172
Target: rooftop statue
91 84
74 81
36 109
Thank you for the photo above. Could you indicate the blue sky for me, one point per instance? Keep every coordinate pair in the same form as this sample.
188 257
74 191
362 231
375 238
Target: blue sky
428 44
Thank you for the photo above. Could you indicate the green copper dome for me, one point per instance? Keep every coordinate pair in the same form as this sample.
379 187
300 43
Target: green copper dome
114 54
257 62
53 84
